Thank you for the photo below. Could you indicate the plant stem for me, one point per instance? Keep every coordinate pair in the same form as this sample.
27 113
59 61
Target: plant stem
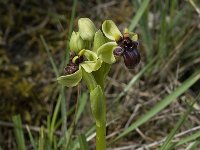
101 126
101 130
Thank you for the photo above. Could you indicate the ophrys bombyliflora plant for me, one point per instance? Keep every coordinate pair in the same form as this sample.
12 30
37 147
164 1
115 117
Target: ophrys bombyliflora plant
92 54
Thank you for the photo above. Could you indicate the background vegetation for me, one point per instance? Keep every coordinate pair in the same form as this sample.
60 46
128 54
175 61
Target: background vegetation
156 105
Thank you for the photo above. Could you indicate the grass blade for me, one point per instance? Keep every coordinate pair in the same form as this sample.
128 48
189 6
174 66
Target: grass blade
163 30
41 139
161 105
53 122
49 55
187 139
138 15
146 36
193 145
82 104
19 135
177 127
33 142
83 143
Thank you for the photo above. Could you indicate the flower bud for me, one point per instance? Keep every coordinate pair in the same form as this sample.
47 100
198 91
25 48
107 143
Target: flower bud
76 43
87 29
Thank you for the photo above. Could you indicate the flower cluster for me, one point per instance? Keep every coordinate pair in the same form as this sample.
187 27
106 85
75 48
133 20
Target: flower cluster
91 47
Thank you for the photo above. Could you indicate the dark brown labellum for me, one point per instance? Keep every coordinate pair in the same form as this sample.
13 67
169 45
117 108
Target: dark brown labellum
131 58
129 50
71 68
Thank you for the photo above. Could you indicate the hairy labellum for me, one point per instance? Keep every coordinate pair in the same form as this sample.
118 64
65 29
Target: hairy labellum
71 68
129 51
131 58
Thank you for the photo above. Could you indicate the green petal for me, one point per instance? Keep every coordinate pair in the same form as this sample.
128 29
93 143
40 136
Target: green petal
90 55
96 97
99 40
133 36
71 80
87 29
105 52
90 66
76 43
110 30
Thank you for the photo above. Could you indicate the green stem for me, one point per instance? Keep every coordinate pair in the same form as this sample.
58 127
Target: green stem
101 126
101 130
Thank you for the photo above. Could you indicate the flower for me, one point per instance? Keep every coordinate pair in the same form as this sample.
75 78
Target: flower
125 45
86 60
81 58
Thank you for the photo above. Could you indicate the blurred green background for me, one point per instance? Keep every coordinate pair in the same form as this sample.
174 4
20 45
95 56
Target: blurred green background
34 36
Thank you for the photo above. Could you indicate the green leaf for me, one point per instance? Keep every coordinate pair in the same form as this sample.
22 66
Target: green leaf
71 80
76 43
96 97
90 66
110 30
99 40
87 29
105 52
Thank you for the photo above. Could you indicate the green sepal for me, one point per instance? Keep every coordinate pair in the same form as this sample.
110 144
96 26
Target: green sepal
76 43
90 66
87 29
99 40
110 30
96 97
70 80
105 52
